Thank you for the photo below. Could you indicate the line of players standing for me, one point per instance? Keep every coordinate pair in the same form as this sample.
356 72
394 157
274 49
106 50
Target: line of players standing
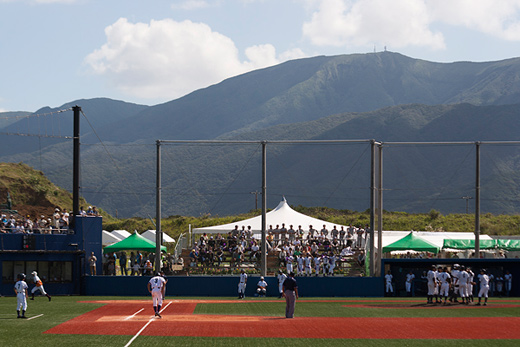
457 284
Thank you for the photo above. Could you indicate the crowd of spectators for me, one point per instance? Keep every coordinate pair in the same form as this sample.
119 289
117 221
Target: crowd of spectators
306 252
137 263
57 223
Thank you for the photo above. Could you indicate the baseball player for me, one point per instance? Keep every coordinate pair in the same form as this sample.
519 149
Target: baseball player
455 283
471 282
432 282
408 284
388 282
444 279
289 262
317 264
21 291
332 263
281 278
261 287
157 287
300 266
508 278
38 285
463 284
484 287
242 284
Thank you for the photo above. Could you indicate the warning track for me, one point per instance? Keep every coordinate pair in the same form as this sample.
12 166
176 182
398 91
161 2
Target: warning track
128 317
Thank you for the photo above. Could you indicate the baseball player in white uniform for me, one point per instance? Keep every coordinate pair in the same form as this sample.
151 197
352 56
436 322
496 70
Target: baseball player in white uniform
21 290
281 278
463 285
38 285
408 284
455 282
469 288
308 265
242 284
332 263
484 287
444 279
388 282
299 261
432 283
317 265
261 287
508 278
290 261
157 287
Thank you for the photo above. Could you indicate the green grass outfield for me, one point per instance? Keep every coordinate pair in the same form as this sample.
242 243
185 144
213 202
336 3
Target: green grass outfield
17 332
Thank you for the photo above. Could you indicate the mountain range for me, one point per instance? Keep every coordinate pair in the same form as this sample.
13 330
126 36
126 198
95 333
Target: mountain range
383 96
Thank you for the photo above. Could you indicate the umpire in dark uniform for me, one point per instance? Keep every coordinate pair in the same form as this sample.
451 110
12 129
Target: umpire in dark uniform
290 292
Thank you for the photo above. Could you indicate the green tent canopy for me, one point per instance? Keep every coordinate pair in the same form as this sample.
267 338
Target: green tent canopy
468 244
134 242
412 242
508 244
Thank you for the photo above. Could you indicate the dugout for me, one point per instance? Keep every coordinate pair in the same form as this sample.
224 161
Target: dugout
400 267
59 259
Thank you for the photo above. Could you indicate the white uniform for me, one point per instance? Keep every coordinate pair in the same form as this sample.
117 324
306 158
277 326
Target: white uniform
432 282
332 264
445 284
484 285
242 285
308 268
508 278
156 285
281 279
388 281
261 287
299 260
469 286
463 283
290 260
317 265
38 285
408 284
21 295
455 281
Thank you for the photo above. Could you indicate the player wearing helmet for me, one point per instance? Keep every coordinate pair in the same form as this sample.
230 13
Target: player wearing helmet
157 287
38 285
20 289
261 287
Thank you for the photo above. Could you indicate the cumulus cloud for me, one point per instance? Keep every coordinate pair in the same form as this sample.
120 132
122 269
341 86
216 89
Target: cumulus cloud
401 23
168 59
500 19
397 23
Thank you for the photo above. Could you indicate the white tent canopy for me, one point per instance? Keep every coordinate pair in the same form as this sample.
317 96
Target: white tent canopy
108 238
150 235
121 234
283 213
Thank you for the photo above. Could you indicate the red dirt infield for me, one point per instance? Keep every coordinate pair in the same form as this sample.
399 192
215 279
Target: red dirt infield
129 317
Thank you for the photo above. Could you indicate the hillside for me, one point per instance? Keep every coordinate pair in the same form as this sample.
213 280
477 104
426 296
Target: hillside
31 192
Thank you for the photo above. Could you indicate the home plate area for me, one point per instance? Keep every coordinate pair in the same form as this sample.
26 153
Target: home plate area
178 319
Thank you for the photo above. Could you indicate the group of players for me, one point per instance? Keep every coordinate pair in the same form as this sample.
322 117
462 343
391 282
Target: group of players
21 290
455 284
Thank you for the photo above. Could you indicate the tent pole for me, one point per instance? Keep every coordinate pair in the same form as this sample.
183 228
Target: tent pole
158 216
263 259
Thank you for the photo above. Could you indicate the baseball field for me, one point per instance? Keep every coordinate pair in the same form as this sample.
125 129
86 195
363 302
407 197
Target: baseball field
121 321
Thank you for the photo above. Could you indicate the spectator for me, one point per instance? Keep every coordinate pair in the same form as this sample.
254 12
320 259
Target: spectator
122 264
92 262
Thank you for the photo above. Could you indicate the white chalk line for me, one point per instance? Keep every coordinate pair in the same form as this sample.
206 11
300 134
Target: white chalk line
35 316
147 324
135 314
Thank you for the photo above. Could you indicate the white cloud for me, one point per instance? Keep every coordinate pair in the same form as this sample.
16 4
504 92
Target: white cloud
397 23
191 5
401 23
500 19
168 59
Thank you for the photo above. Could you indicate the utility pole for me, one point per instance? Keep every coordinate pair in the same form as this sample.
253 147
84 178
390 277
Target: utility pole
256 198
467 198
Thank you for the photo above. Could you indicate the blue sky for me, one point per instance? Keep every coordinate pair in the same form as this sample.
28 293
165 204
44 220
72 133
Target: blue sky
148 52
